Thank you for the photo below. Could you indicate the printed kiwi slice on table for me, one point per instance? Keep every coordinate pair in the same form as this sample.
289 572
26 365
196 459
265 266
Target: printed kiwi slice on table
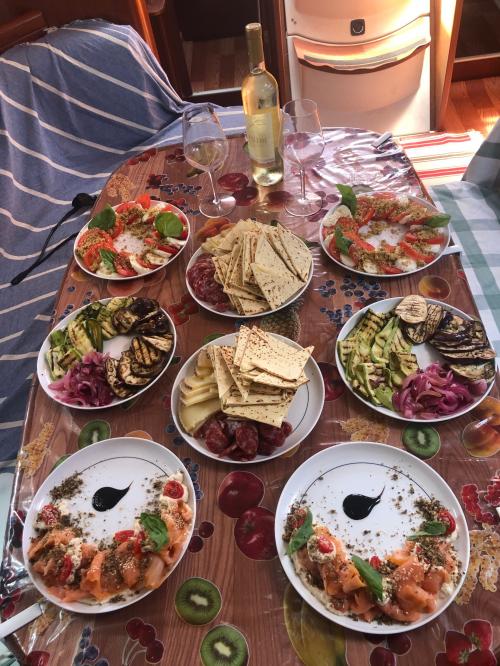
198 601
224 645
421 440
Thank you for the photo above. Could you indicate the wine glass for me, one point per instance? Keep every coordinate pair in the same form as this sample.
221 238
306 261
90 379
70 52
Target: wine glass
302 143
206 148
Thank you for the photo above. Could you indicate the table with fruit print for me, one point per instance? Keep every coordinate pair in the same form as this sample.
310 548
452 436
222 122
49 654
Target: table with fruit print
251 604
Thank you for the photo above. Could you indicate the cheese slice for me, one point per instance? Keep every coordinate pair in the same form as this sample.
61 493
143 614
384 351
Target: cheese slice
209 393
187 391
194 416
195 382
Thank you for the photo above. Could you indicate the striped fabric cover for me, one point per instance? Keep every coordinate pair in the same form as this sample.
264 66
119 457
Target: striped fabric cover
73 106
441 157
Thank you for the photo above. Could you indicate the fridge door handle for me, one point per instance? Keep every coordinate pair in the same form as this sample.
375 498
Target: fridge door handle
362 62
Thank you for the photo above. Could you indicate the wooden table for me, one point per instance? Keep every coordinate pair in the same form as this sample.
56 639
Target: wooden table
253 592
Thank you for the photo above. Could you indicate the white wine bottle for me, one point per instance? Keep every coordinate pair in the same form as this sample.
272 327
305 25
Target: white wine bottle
261 106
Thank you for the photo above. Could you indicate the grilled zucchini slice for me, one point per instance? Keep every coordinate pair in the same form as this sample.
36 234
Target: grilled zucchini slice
124 319
79 338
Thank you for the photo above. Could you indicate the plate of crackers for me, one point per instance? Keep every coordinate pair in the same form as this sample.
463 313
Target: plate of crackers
249 269
248 396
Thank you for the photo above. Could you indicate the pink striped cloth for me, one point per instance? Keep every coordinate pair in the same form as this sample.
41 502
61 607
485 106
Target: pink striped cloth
441 157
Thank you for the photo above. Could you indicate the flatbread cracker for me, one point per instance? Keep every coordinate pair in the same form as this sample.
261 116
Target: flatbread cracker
276 287
298 252
273 356
266 256
275 240
271 414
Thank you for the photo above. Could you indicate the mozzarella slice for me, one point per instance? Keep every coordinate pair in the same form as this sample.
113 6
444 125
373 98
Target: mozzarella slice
340 211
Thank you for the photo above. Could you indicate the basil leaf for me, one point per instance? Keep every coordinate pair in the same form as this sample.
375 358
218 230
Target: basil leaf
348 197
301 535
104 220
168 224
108 258
342 243
440 220
156 529
371 576
431 528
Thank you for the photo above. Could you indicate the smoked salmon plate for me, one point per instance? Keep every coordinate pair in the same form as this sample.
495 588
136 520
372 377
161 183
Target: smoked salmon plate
399 587
75 569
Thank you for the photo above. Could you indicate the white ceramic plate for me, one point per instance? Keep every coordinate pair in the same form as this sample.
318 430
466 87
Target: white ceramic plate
325 479
81 265
425 356
303 413
112 462
445 231
233 313
114 347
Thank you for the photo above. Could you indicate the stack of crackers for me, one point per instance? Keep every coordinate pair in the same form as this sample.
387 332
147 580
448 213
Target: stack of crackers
258 378
259 267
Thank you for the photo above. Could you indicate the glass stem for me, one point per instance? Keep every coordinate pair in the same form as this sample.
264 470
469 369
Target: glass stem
216 197
303 182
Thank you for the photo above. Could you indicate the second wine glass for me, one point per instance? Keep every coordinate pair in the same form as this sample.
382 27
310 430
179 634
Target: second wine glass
302 144
206 148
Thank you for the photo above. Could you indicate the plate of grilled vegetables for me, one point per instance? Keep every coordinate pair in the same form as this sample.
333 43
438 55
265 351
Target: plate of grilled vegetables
106 352
416 359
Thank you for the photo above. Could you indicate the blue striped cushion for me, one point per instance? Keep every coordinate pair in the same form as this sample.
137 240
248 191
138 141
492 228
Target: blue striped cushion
73 106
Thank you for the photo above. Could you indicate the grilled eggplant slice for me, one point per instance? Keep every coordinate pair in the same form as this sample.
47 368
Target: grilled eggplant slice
155 325
145 354
116 385
124 319
474 371
125 371
412 309
144 307
470 356
422 332
144 371
161 342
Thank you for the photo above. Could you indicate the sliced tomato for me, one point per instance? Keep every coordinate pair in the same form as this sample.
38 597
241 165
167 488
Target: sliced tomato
123 535
139 540
411 238
173 489
122 265
133 218
354 252
325 545
347 224
93 233
332 249
434 240
367 247
50 515
184 234
144 200
397 217
388 247
66 569
368 215
145 264
171 249
123 207
445 516
92 258
117 228
390 270
414 253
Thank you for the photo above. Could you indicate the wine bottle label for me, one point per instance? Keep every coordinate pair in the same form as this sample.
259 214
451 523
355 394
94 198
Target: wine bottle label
260 135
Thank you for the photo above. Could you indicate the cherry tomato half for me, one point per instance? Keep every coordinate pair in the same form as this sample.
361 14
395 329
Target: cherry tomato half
445 516
173 489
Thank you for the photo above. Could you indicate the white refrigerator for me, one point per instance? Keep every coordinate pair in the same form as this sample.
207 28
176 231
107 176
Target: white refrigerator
365 62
